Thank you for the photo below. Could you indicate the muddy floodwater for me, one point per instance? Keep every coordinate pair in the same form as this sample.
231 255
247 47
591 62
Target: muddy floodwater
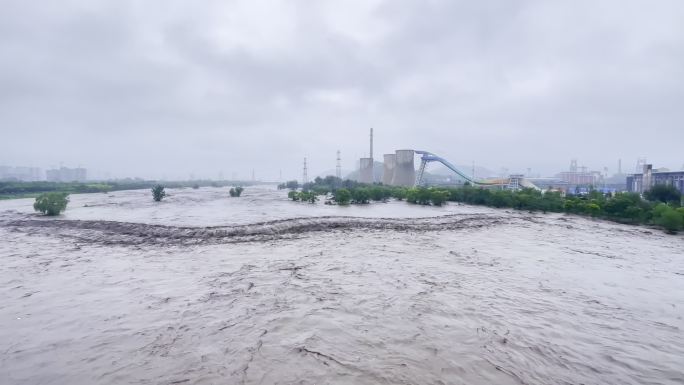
206 289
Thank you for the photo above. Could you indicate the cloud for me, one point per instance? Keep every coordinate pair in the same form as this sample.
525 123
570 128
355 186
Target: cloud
239 85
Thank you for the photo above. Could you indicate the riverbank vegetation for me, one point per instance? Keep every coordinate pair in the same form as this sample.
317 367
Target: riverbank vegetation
9 190
661 206
235 192
158 193
52 203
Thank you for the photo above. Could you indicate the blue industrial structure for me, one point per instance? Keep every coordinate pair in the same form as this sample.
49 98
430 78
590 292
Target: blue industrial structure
513 182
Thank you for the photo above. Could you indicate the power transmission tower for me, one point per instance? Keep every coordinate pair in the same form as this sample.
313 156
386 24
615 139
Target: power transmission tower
338 168
472 175
305 177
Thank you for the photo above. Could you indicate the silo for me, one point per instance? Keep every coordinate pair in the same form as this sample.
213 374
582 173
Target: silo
388 170
366 170
404 169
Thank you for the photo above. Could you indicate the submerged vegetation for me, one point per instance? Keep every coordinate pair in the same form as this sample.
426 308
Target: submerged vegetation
661 206
235 192
52 203
158 193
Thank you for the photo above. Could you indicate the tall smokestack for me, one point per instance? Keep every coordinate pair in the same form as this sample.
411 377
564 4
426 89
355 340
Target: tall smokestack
371 143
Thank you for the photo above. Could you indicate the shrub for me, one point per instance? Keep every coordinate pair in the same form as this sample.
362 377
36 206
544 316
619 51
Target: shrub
294 195
438 197
398 193
312 197
593 209
158 193
52 203
360 195
663 193
235 192
342 196
419 195
670 220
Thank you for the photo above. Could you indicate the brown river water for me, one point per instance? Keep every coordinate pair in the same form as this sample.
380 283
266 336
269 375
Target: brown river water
206 289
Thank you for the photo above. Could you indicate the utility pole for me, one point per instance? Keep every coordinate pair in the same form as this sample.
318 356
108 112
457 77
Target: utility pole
305 177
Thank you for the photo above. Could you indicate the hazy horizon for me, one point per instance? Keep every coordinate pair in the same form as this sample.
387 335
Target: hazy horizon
166 89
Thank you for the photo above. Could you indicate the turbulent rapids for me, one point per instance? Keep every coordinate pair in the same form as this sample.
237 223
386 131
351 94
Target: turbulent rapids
205 289
127 233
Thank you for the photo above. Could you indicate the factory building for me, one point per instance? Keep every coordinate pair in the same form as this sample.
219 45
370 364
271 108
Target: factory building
639 183
388 169
404 168
366 170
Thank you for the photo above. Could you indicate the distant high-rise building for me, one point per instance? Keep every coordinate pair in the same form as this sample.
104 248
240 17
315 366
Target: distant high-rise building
25 174
579 176
65 174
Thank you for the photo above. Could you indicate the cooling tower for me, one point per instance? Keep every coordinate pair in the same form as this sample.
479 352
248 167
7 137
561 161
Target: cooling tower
366 170
404 170
388 171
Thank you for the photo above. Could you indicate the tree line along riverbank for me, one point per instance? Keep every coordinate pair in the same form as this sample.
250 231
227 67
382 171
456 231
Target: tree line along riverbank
660 207
11 190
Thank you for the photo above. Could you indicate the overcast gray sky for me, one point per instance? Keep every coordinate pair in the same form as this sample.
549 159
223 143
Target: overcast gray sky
169 88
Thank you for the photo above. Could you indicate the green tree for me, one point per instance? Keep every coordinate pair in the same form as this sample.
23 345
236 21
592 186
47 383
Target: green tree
342 196
360 195
52 203
294 195
312 197
659 210
398 193
663 193
593 209
670 220
158 193
438 197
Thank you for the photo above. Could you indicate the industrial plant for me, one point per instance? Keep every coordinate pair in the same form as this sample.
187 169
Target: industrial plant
399 169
